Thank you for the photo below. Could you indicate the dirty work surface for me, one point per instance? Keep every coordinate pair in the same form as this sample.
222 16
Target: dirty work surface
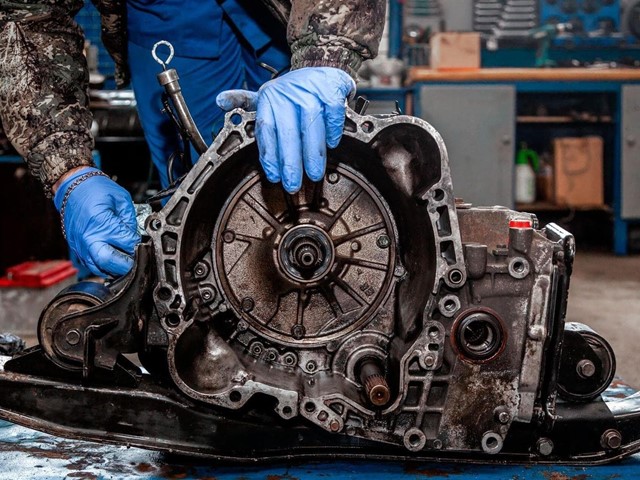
26 454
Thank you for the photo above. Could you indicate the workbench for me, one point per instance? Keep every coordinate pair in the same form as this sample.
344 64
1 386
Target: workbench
475 111
30 454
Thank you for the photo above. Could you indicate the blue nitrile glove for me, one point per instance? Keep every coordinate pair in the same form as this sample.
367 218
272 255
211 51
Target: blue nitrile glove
99 221
298 116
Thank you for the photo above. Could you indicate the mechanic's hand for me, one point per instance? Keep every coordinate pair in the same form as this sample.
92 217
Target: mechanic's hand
298 116
99 221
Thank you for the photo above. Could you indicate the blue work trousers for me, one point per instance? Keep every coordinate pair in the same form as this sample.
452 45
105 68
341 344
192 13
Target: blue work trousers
201 81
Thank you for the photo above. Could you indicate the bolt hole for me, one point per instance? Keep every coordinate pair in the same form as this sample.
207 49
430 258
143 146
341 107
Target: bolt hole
434 332
173 319
518 267
164 293
367 127
492 442
438 195
414 440
236 119
287 410
455 276
310 407
449 305
235 396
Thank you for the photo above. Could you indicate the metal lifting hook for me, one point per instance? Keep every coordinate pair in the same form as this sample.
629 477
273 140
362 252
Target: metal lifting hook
155 54
168 79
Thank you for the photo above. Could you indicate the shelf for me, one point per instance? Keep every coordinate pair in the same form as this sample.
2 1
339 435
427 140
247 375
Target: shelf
562 119
551 207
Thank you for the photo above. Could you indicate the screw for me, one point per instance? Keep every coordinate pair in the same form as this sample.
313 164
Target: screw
298 332
333 177
503 417
290 359
267 232
200 270
334 426
222 307
73 337
383 241
228 236
247 304
242 326
156 224
322 416
355 246
544 446
206 295
585 368
611 439
437 444
429 360
311 366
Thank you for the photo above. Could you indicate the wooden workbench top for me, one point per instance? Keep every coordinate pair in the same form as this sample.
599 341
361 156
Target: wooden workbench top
425 74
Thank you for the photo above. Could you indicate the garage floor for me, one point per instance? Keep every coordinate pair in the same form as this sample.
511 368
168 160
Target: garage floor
605 294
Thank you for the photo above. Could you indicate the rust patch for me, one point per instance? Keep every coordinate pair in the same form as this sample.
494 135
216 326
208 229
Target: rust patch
431 472
37 452
562 476
83 475
145 467
174 471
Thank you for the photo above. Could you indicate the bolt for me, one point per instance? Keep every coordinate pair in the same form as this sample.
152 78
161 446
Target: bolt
351 431
399 271
383 241
267 232
73 337
503 417
585 368
200 270
437 444
334 426
155 224
228 236
311 366
611 439
333 177
535 332
429 360
322 416
222 307
247 304
206 295
298 331
544 446
242 326
355 246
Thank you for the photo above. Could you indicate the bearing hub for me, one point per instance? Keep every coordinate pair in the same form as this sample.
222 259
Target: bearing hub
314 266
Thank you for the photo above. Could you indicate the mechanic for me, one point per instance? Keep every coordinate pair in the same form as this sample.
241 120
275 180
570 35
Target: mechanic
44 103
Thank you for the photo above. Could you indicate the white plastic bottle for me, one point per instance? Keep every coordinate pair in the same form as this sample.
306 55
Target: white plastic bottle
525 175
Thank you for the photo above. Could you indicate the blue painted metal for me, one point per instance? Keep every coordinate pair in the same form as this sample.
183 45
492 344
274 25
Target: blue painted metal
525 56
395 29
13 159
29 454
